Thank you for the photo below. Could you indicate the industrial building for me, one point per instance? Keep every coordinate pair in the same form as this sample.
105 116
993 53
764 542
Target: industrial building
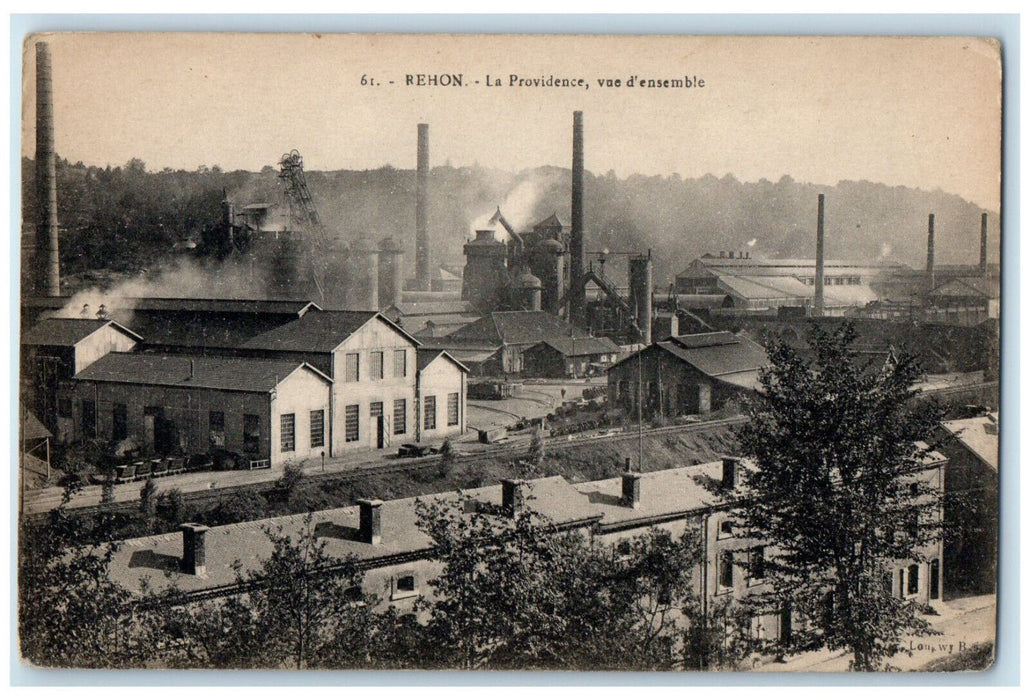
687 374
570 357
379 398
547 268
507 334
269 411
398 558
55 350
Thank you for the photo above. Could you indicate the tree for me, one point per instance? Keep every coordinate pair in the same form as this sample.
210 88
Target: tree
517 593
832 486
70 614
304 605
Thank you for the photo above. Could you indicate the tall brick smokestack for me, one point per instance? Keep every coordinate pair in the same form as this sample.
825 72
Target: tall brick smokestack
48 266
422 211
820 237
577 249
983 244
929 254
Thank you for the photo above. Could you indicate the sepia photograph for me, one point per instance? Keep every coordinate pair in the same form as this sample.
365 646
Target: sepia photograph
507 352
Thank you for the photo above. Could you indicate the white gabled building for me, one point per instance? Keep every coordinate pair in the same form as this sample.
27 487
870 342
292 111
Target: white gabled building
377 397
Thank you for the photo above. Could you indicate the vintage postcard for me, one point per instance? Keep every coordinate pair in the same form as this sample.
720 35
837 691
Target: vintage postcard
372 351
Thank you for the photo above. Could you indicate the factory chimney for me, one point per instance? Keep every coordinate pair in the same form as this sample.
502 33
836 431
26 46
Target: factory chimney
983 244
577 250
48 266
929 254
819 256
422 275
641 289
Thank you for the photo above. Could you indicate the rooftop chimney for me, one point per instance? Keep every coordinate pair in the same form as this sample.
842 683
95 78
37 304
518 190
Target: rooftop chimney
983 244
193 551
631 489
819 257
370 525
47 263
513 496
729 472
577 249
929 253
422 275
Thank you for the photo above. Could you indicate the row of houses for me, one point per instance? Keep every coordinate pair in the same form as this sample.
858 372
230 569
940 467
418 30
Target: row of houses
311 384
399 560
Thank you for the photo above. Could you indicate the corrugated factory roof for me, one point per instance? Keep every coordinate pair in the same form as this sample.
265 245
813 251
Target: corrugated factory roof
296 307
321 331
575 347
223 373
431 308
69 332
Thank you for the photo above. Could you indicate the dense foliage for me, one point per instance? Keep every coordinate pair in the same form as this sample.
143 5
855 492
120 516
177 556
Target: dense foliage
834 487
126 218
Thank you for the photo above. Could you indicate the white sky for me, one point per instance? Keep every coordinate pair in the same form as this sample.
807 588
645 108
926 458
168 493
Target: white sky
920 112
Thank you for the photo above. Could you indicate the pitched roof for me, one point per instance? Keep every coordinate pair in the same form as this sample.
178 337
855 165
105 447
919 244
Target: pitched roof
320 331
517 327
69 332
427 357
664 495
575 347
431 308
550 222
223 373
293 307
969 287
979 435
30 427
155 556
723 355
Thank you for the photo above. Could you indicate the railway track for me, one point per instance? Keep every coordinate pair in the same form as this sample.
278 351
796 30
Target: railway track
513 450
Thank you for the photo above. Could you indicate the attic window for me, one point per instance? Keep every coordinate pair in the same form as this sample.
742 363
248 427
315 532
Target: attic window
725 528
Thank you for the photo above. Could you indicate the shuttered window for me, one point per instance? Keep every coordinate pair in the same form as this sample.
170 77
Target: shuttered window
400 416
317 428
400 363
452 409
377 364
287 432
351 422
351 367
429 413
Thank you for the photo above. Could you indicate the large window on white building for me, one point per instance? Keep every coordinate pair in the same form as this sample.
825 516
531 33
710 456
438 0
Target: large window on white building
351 422
287 432
400 416
318 428
452 409
429 413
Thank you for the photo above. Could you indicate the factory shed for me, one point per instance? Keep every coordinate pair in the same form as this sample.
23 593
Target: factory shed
204 326
964 300
514 332
570 357
55 349
688 374
441 385
269 411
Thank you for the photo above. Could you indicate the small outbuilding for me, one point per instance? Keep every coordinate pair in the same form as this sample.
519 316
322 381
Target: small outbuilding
569 357
687 374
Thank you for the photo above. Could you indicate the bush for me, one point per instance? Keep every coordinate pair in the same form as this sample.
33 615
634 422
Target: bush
238 507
